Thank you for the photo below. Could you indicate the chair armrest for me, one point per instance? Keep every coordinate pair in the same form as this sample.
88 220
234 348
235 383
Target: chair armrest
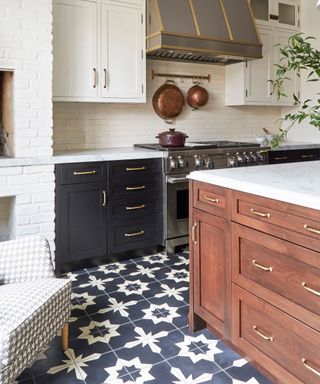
25 259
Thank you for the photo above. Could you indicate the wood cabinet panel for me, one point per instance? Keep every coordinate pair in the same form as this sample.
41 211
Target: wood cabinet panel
211 270
212 199
266 330
288 270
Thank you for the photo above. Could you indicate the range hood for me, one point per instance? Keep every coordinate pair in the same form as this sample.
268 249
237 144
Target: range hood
202 31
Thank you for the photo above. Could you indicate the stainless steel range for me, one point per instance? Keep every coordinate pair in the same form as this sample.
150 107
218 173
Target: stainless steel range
179 162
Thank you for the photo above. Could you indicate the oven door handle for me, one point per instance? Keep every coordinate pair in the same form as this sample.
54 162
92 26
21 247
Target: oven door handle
176 180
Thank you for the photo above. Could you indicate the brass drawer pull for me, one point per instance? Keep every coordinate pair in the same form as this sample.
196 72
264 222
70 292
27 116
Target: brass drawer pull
136 188
307 156
266 269
310 229
104 193
267 215
267 338
194 233
140 233
135 169
84 173
281 158
313 291
211 200
142 206
313 370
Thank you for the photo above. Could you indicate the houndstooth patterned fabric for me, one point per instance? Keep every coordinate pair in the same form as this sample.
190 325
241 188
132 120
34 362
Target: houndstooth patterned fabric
25 259
31 312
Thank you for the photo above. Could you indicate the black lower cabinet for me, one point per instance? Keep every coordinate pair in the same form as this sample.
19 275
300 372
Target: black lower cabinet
98 216
82 222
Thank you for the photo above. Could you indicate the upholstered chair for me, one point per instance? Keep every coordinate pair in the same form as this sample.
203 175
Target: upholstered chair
34 305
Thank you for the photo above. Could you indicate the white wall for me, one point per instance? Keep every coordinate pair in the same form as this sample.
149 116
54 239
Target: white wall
85 125
310 25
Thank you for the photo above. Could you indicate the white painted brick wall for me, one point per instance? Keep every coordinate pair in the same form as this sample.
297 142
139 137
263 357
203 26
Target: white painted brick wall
33 209
85 125
25 47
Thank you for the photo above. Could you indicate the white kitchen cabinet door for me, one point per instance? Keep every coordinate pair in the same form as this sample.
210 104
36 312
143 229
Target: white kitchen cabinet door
287 14
291 86
259 72
122 53
75 63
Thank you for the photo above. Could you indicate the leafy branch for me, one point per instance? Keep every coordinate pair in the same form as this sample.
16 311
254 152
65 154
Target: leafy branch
297 56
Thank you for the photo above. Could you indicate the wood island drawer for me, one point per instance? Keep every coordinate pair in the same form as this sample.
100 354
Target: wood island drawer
131 169
286 269
292 221
212 199
77 173
287 347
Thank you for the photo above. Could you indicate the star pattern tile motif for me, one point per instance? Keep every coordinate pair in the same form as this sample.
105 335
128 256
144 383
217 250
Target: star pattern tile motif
129 326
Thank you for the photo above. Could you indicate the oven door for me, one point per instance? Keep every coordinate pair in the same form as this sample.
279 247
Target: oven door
177 206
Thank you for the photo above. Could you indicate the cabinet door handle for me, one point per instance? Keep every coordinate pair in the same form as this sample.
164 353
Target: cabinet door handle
82 173
313 291
194 233
307 156
142 206
104 193
105 78
312 230
211 200
260 214
135 169
264 337
139 188
140 233
313 370
94 78
257 265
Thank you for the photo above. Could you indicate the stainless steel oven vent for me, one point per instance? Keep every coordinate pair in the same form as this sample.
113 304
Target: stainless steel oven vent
202 31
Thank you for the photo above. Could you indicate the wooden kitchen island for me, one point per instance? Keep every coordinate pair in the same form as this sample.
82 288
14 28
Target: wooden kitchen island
255 264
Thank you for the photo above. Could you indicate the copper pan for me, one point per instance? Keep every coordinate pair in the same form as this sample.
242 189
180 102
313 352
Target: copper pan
168 101
197 97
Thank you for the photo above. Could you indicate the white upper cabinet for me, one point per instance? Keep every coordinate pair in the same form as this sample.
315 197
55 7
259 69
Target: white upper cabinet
279 13
99 51
122 70
75 63
248 83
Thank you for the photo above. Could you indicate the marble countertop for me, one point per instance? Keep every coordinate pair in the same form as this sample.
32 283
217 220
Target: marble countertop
291 145
77 156
295 183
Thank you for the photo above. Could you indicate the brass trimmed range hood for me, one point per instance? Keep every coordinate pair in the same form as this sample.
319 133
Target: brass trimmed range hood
202 31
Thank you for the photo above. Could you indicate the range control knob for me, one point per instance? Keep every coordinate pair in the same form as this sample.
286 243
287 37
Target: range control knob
209 164
182 163
262 156
231 161
239 158
198 161
174 163
254 157
247 158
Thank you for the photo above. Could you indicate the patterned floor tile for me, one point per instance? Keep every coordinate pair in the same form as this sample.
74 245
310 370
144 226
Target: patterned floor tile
129 325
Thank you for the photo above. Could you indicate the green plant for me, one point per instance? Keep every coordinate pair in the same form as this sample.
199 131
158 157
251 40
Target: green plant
297 56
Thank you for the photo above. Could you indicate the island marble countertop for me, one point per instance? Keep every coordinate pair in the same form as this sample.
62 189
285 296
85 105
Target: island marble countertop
78 156
295 183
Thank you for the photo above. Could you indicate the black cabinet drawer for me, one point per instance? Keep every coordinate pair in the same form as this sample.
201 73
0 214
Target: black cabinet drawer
291 156
138 234
82 173
130 169
135 208
137 189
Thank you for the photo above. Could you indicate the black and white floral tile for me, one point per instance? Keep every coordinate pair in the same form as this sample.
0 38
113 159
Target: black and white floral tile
129 325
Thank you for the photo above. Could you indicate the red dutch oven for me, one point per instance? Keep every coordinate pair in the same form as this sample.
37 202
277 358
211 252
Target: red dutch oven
172 138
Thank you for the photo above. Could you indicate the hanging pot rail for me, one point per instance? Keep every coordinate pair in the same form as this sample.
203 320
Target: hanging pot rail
177 76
